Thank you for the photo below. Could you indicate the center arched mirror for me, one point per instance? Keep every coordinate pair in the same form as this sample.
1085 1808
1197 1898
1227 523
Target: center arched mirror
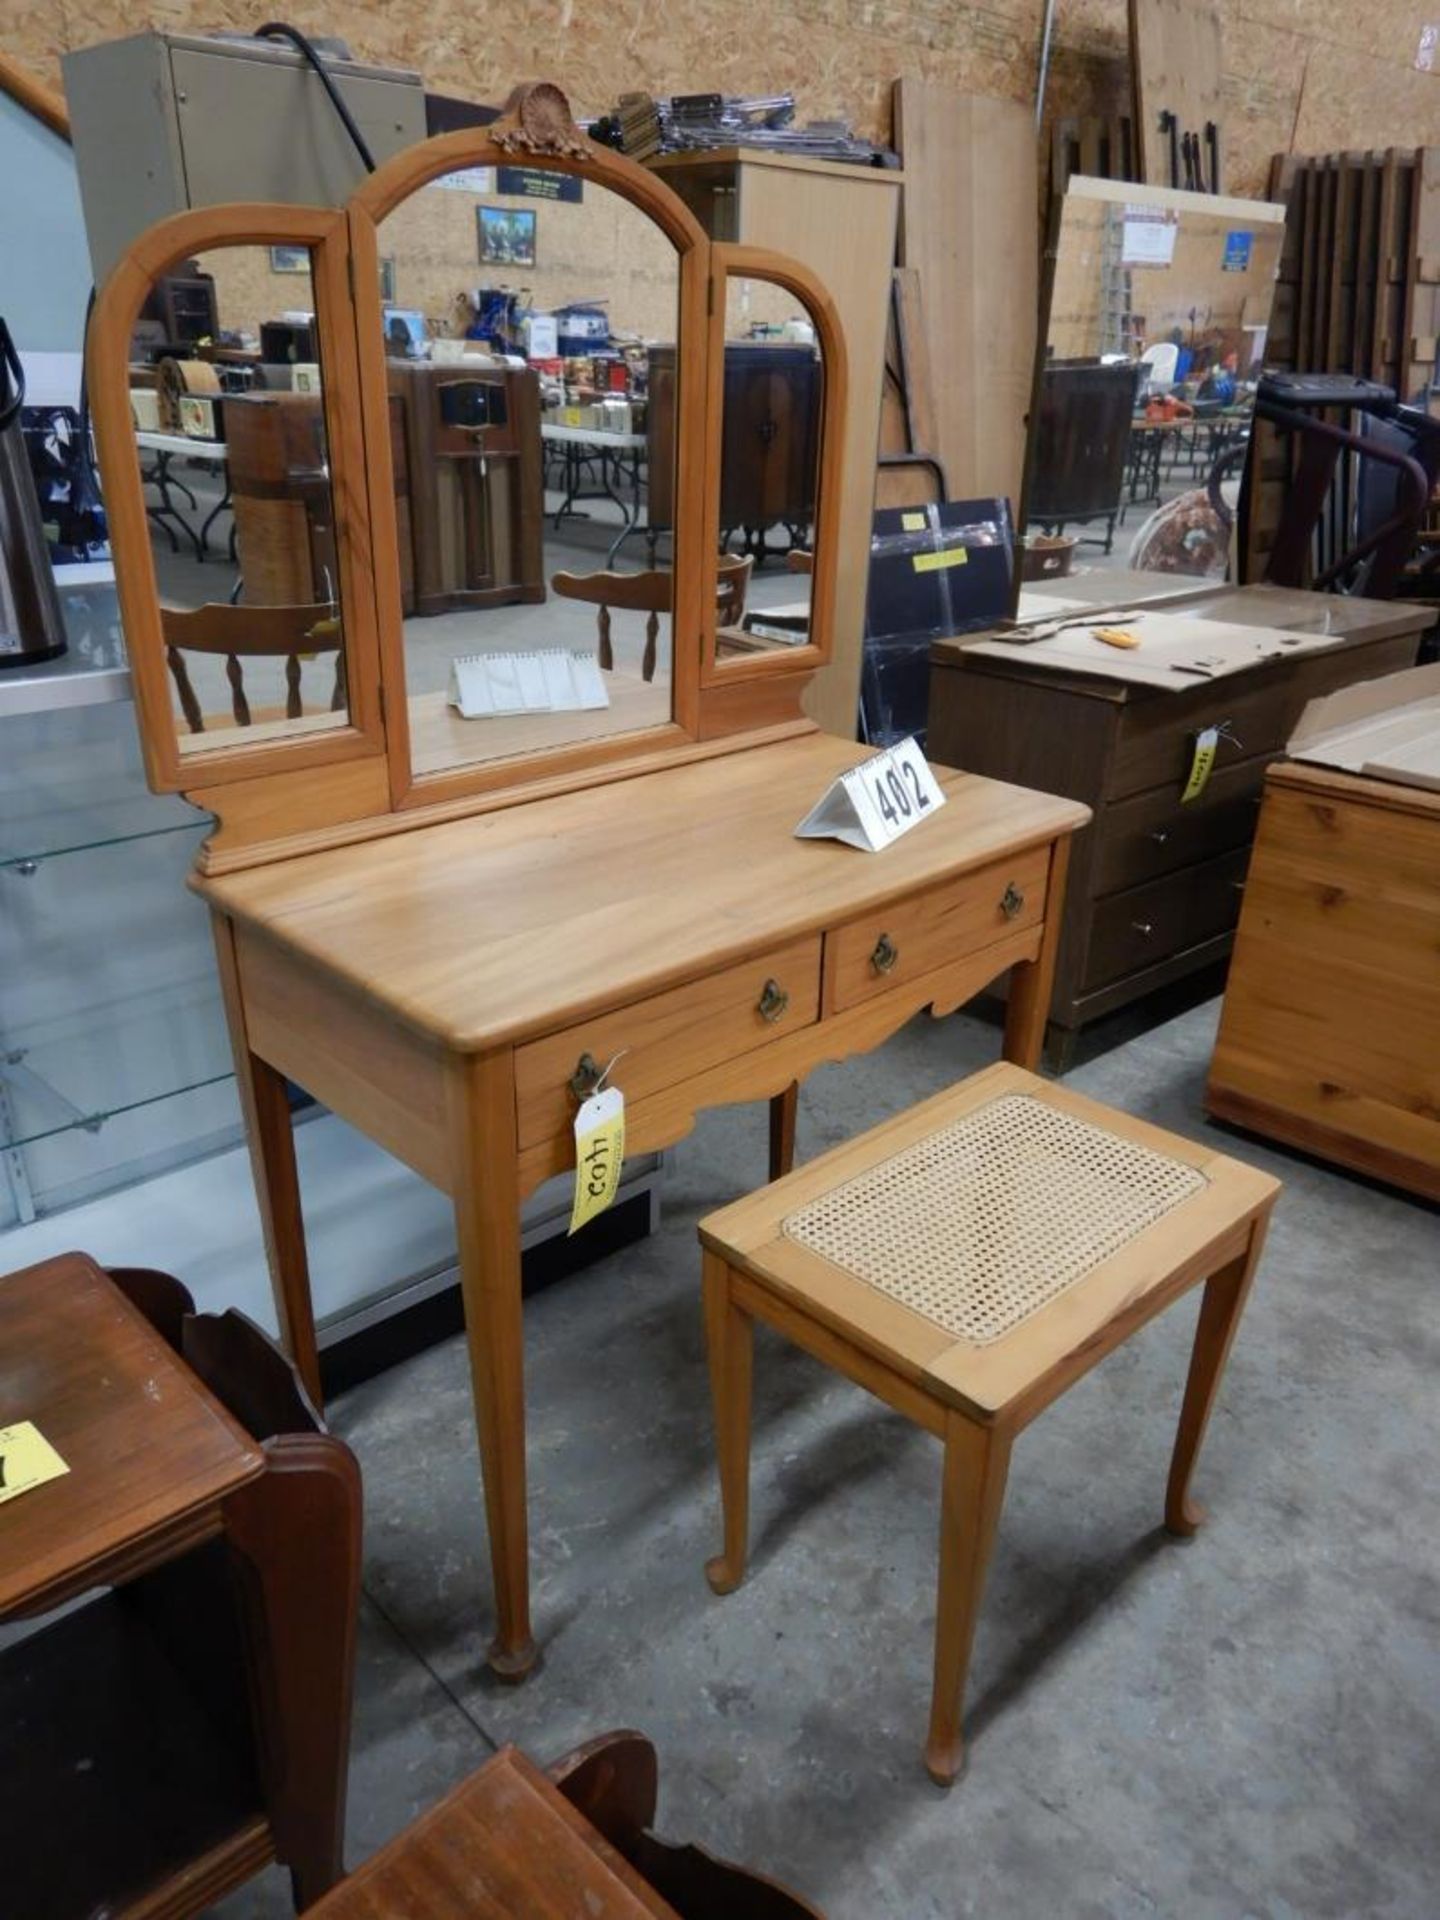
531 318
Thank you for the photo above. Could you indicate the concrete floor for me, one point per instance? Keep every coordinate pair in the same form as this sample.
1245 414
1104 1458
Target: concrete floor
1248 1724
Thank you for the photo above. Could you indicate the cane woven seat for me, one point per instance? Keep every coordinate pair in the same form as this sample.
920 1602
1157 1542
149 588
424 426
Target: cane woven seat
983 1222
967 1262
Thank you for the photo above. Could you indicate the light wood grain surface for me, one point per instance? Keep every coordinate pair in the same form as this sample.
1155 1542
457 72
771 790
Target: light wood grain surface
1330 1032
441 737
1053 1344
510 924
969 226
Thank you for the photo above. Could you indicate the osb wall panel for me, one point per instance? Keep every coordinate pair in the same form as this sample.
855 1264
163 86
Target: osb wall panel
1327 72
599 249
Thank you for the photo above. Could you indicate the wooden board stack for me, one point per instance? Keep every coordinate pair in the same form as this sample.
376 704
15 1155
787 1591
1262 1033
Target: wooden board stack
1358 289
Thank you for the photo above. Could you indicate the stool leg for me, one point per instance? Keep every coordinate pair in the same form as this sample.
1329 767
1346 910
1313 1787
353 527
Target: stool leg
730 1337
1220 1309
977 1459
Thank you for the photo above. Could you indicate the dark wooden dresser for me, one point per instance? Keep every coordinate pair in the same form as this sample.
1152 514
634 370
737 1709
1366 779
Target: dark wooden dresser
770 439
1155 884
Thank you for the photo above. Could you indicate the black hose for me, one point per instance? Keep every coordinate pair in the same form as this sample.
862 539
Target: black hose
281 30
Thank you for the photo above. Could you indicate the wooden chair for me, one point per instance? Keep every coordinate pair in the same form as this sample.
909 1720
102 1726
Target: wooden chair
651 593
245 632
967 1262
514 1843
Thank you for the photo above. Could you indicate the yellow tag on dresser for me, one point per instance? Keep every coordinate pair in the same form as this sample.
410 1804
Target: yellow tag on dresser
599 1154
1203 759
27 1460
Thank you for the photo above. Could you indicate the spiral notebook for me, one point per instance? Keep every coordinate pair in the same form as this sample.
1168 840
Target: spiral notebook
487 685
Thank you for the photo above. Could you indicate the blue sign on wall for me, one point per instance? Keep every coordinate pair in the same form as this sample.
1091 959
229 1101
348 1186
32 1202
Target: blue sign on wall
1237 252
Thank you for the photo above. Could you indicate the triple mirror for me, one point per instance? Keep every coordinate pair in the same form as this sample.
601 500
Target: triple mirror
529 441
1151 350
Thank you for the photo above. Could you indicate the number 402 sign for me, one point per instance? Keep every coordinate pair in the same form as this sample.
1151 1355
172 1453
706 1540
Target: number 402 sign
874 803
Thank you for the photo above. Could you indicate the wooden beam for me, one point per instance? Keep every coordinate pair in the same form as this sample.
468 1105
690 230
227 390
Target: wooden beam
34 96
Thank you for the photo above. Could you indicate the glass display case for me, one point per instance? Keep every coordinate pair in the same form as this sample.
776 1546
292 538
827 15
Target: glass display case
114 1061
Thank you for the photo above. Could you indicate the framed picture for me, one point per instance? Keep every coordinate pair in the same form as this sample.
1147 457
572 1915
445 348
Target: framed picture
507 236
387 280
289 259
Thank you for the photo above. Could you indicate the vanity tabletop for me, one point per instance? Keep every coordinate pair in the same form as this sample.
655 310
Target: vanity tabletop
486 930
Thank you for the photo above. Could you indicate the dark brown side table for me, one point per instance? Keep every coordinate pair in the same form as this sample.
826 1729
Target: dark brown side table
170 1736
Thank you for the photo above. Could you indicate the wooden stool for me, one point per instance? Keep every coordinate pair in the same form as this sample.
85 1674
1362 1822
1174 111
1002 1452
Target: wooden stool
967 1262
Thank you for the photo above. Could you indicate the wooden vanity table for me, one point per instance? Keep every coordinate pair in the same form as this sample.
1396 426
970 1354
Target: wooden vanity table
446 954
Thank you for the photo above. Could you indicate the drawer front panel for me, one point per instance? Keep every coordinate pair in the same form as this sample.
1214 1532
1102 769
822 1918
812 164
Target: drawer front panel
1157 736
922 934
670 1037
1145 925
1153 834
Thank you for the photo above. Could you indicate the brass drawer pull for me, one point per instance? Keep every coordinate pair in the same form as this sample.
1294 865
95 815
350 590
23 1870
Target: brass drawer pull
585 1078
1011 901
773 1001
885 955
1143 927
1160 836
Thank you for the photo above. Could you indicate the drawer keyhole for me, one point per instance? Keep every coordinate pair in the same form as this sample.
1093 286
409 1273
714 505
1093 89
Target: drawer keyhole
585 1078
773 1001
885 955
1011 901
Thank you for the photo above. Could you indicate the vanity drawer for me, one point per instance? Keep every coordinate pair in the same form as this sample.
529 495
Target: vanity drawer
671 1036
1142 927
928 931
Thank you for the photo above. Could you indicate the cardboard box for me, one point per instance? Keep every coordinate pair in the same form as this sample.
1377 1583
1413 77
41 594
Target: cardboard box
1387 729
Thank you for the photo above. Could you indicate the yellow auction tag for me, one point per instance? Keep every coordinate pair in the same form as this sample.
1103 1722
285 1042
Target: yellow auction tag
599 1154
912 522
937 562
27 1460
1206 741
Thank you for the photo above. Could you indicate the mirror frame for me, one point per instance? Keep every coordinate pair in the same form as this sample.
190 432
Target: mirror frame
347 784
208 230
1262 213
734 262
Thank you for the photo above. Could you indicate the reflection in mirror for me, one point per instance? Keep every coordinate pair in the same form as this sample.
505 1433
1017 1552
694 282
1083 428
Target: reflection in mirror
1154 344
525 312
225 386
769 471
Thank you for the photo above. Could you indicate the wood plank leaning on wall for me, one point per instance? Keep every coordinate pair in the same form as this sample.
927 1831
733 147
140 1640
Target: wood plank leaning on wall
968 223
32 94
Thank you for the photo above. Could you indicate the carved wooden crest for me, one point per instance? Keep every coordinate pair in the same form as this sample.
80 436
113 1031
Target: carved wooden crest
538 120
